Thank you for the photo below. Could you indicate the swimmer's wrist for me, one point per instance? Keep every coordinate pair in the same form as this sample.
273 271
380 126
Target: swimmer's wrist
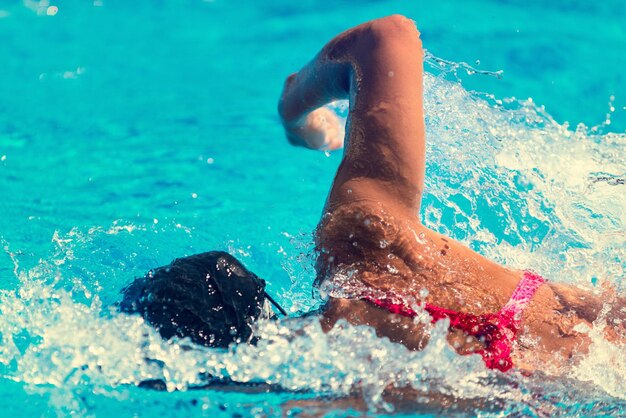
291 122
296 134
290 116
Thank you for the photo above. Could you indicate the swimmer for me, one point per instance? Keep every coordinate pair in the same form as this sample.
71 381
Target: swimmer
370 228
380 265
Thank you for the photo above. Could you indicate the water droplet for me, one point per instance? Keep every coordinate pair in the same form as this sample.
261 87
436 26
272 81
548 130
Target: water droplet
383 243
392 269
210 160
194 195
390 74
52 10
155 220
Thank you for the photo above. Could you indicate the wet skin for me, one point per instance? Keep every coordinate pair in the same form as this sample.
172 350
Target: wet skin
370 224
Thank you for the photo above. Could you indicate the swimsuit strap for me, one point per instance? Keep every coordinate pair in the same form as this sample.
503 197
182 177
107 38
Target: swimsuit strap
497 355
521 297
496 330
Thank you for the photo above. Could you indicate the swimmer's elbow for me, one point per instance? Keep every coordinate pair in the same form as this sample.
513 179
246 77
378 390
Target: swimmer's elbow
395 28
389 38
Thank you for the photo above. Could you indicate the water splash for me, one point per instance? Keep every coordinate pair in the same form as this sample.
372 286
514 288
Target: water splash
503 177
452 68
508 180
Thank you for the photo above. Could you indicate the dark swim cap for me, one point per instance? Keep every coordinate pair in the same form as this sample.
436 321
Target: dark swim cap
210 297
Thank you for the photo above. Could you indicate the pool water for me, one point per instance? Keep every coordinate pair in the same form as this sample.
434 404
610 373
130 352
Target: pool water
132 134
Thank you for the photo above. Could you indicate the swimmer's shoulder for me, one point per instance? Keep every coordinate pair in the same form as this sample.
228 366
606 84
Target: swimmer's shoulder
362 220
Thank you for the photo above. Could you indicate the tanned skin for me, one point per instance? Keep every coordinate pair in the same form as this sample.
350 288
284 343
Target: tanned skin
371 222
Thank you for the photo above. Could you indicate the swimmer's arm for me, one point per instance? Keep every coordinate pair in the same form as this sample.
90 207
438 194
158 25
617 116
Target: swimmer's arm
318 83
378 66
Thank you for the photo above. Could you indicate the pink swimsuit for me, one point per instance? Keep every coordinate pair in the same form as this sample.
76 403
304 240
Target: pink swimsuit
496 330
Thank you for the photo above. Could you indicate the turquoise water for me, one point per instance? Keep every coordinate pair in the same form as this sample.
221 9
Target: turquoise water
131 134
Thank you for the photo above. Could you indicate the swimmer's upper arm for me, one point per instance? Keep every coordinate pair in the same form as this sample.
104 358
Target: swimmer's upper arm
379 66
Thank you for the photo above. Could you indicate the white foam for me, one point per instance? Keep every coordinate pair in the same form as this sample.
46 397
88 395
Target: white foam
503 177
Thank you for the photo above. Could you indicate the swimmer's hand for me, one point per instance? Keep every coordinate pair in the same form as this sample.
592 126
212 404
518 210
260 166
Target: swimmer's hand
319 129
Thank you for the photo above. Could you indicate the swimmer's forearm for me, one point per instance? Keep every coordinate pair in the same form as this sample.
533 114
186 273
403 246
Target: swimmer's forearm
378 67
388 53
319 82
329 75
